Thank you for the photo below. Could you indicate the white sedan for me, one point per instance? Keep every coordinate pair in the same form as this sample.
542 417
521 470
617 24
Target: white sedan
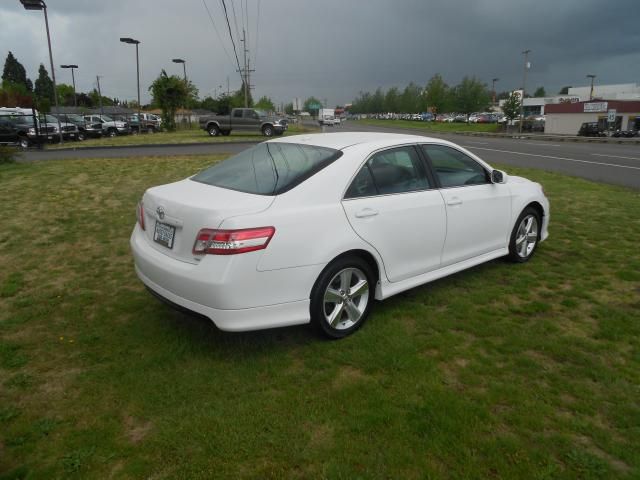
313 228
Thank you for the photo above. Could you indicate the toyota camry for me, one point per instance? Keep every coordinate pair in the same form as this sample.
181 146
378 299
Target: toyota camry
314 228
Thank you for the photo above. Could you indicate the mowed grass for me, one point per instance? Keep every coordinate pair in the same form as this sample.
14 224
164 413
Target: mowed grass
503 371
185 136
432 126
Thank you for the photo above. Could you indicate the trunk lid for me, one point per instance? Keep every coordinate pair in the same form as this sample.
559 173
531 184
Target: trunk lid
189 206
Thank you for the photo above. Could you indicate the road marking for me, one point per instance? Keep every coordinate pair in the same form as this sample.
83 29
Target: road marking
558 158
544 144
478 143
614 156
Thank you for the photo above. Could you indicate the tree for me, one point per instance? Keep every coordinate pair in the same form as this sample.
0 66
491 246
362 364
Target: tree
43 90
392 100
564 90
15 95
288 108
65 94
511 106
377 101
308 103
471 95
540 92
265 103
410 100
15 73
169 93
437 94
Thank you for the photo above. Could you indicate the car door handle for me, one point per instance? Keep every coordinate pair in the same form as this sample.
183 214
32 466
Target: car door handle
367 212
454 201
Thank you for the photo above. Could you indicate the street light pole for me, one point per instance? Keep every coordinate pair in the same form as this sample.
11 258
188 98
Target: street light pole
493 89
524 83
132 41
591 76
73 79
40 5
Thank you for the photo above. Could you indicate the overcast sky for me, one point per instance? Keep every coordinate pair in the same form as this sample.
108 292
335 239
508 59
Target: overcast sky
331 49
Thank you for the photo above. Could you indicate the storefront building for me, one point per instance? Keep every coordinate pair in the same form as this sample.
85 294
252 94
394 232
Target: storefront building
566 118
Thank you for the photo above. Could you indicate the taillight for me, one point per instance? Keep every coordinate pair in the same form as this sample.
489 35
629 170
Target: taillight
140 214
231 242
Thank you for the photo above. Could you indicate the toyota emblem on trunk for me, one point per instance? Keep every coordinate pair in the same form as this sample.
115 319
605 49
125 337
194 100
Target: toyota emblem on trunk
160 212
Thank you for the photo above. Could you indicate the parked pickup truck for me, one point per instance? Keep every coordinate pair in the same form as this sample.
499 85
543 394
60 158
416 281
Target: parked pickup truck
243 119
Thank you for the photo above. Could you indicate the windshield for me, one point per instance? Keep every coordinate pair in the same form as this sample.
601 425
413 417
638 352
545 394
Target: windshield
261 113
268 168
106 119
72 118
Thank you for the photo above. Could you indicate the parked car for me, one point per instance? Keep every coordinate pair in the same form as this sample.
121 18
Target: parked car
69 130
243 119
312 228
591 129
110 126
150 123
85 129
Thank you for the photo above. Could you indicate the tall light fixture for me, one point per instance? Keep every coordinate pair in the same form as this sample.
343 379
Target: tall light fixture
132 41
592 77
524 84
40 5
73 79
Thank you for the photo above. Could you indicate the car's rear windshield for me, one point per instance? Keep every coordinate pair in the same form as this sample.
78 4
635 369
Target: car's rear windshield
268 168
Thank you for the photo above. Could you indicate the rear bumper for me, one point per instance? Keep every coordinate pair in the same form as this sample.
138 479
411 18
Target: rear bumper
227 289
241 320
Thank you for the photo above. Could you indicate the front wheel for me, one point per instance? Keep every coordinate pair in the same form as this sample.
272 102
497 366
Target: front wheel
267 131
213 130
342 297
81 137
112 132
525 235
24 142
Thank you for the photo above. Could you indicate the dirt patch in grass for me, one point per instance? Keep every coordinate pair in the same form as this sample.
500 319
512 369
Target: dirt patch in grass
135 429
348 376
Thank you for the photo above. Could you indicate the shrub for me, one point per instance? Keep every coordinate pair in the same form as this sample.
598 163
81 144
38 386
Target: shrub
8 154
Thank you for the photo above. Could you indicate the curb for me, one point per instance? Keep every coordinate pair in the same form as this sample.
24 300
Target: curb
148 145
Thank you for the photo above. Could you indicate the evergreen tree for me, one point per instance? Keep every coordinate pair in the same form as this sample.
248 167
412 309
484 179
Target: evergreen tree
15 73
44 88
265 103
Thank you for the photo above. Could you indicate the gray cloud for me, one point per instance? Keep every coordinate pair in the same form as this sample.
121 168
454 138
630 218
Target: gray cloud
334 48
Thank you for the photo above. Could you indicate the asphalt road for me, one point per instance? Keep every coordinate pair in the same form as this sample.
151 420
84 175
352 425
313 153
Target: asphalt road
616 164
612 163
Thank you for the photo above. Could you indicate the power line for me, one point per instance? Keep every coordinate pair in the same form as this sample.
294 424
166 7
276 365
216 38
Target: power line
235 19
226 15
255 50
217 32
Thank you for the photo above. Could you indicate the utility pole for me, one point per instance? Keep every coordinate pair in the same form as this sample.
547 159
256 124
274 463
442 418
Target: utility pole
99 95
524 83
228 91
591 76
493 89
246 71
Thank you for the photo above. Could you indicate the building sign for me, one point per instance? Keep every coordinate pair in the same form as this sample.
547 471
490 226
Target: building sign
568 100
611 116
595 107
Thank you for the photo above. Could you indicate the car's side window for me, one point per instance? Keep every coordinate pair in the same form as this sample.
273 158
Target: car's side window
396 170
453 168
237 114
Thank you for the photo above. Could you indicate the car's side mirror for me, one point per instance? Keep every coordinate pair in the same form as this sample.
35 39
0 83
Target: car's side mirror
498 176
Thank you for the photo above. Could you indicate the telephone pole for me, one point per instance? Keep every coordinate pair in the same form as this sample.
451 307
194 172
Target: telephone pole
524 82
99 95
246 71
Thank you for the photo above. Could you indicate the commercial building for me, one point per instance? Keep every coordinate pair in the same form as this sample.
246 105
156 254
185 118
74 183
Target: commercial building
566 118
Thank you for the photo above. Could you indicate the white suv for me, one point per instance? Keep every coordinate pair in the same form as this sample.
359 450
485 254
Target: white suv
110 126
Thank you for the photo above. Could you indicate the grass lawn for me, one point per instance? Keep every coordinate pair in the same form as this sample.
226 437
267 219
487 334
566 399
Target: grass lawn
503 371
193 135
432 126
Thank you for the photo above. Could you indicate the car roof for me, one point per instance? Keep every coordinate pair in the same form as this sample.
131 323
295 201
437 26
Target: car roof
342 140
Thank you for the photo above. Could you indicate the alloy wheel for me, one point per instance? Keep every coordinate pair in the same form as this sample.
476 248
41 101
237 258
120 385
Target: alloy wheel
527 236
346 298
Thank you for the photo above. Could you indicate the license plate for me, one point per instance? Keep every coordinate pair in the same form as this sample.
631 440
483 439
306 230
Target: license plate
164 234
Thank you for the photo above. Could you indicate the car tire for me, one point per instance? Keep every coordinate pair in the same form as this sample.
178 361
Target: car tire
525 236
112 132
267 131
226 133
151 130
213 130
81 137
342 297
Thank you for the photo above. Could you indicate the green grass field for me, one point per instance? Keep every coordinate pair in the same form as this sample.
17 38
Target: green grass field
503 371
433 126
193 135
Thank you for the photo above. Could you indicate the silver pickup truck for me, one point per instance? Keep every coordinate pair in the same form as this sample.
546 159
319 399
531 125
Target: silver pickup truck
243 119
